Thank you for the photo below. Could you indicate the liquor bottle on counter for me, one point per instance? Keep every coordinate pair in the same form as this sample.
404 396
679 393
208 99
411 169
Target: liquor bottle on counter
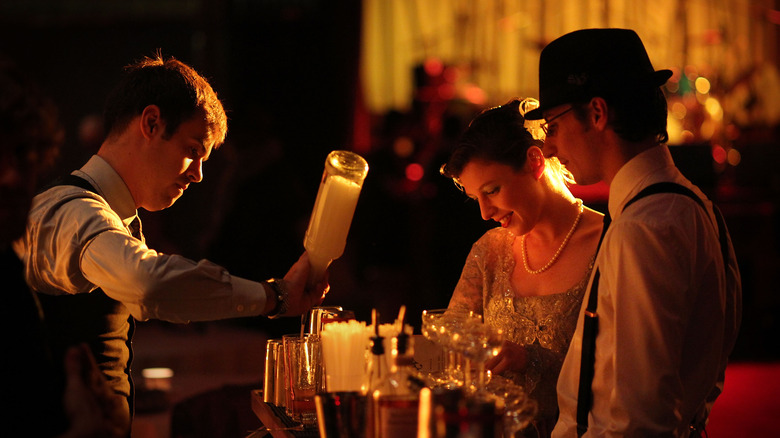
376 368
375 373
396 398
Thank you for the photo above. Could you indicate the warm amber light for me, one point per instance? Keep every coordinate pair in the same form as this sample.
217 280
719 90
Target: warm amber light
475 95
707 129
690 72
678 110
734 157
674 128
714 109
157 378
702 85
157 373
403 147
424 413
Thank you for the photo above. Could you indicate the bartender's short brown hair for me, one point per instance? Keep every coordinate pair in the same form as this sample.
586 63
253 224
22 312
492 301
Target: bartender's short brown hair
176 88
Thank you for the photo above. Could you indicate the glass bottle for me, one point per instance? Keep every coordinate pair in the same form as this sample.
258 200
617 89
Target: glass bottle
397 397
326 235
375 373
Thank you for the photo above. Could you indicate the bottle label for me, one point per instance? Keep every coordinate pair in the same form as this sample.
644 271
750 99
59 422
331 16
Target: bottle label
398 417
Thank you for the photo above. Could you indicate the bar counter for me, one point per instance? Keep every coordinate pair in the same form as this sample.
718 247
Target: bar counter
276 420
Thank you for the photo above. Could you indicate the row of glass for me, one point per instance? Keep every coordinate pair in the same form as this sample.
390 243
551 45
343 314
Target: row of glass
468 344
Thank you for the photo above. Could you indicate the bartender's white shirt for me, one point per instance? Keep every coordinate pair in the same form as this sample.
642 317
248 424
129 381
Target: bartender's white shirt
77 241
668 317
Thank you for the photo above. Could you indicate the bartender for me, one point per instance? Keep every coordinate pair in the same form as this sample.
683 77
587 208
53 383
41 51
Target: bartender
83 249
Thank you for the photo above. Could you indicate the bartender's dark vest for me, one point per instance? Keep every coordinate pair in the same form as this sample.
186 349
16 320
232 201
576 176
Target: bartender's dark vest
96 319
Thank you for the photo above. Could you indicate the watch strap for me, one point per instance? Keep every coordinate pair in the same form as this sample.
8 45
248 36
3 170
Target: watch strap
282 299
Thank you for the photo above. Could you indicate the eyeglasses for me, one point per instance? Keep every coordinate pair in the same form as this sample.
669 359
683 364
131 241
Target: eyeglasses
546 124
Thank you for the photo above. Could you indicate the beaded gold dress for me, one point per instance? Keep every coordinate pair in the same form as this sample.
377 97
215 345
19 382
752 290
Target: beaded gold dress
543 324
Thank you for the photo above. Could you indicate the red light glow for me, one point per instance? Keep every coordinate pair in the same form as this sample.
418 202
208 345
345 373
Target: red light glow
414 172
719 154
433 67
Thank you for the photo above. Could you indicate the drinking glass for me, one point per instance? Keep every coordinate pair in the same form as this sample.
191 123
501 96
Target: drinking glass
478 342
447 327
430 330
303 360
438 326
519 408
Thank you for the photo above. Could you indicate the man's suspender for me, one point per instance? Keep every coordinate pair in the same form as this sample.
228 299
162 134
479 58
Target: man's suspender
73 180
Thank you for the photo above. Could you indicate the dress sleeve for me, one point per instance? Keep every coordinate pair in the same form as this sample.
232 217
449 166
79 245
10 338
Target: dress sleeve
468 294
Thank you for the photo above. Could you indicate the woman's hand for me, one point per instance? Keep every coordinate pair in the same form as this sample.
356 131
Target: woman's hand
512 357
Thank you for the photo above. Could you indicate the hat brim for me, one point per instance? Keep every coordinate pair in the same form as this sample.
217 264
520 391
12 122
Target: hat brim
657 79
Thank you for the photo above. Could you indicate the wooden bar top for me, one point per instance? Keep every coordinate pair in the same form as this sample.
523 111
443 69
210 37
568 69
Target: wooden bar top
277 421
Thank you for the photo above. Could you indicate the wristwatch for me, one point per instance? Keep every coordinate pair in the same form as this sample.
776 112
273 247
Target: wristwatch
282 303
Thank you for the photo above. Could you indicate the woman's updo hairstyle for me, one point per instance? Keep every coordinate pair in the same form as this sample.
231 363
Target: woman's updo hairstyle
502 135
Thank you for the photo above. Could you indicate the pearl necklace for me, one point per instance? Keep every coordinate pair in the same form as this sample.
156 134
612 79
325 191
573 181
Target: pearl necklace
560 248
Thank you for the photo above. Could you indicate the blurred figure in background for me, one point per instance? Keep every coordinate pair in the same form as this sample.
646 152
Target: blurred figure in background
527 276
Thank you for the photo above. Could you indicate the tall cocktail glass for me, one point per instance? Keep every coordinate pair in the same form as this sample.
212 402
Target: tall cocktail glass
303 361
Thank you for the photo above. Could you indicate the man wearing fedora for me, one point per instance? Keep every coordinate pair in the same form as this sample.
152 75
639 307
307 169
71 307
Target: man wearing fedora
664 305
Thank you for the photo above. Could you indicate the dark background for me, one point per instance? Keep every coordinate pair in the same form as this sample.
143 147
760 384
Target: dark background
287 72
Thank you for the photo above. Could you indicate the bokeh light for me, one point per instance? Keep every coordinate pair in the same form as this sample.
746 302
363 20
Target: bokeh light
719 154
734 157
714 109
702 85
414 172
403 147
678 110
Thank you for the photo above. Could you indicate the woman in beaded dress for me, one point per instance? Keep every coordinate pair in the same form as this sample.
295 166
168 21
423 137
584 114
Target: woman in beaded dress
529 275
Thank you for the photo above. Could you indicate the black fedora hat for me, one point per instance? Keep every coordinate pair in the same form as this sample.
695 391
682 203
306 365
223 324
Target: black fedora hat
593 62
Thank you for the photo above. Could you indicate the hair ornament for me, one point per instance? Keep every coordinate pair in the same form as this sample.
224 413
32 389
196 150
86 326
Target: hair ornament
532 126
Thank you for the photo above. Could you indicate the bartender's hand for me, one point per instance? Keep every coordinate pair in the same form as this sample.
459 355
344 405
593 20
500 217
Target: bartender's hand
512 357
93 408
300 297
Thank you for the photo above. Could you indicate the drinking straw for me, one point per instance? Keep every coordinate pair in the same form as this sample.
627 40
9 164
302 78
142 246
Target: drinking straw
399 323
344 346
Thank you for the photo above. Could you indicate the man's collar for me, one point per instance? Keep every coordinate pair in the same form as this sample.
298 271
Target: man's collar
110 186
634 175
